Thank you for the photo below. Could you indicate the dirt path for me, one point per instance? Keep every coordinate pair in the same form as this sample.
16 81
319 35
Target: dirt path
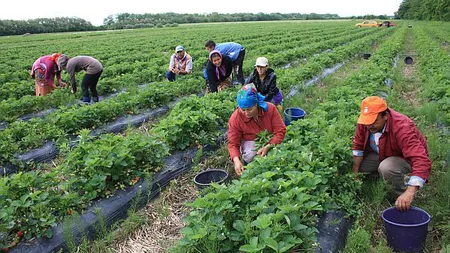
410 80
164 220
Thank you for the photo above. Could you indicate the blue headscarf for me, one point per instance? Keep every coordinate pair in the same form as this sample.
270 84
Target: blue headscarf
248 96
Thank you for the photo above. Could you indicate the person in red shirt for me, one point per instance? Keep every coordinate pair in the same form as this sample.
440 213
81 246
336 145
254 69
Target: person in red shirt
252 116
388 142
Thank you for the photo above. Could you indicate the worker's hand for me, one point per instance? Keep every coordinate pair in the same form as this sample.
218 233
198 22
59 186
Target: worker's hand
403 202
264 150
238 166
63 84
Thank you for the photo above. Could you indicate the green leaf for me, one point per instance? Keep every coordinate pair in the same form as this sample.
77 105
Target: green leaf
239 225
272 244
263 221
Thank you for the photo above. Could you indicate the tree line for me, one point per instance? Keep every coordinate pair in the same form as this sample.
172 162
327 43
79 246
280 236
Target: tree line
424 10
44 25
129 20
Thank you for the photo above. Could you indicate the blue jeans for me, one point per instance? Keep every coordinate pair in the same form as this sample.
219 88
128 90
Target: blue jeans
170 76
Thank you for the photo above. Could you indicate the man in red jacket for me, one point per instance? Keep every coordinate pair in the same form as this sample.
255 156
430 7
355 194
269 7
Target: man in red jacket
388 142
253 116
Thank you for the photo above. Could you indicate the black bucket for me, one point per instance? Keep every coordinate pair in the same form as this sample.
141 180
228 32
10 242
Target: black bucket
409 60
207 177
366 56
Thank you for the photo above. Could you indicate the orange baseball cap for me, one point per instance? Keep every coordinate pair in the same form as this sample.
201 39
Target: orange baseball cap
370 107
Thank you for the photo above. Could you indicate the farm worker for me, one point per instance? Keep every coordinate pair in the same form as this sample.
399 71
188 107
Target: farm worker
180 64
252 116
265 81
233 50
43 72
219 69
93 70
388 142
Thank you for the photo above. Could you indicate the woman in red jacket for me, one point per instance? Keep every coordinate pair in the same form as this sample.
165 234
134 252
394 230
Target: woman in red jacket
252 116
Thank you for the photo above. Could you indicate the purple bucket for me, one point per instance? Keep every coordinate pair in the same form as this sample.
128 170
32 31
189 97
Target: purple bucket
406 231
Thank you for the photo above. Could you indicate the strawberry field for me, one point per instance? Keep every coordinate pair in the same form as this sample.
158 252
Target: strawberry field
276 204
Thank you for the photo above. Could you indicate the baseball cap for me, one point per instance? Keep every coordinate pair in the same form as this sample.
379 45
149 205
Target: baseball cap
370 107
179 48
262 62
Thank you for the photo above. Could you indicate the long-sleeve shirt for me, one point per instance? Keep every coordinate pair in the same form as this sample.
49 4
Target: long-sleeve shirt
76 64
184 63
400 137
230 49
268 88
241 128
47 64
212 75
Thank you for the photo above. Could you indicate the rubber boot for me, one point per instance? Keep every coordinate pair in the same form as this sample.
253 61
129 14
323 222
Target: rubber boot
86 100
95 99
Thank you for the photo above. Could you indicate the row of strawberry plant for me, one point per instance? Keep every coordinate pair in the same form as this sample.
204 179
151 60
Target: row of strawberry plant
319 62
433 66
434 72
316 45
21 136
33 202
275 205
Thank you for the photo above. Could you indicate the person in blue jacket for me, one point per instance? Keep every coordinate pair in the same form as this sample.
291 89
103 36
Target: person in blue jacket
233 50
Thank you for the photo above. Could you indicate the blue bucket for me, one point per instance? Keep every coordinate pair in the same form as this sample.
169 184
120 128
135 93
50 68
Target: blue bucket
406 231
293 114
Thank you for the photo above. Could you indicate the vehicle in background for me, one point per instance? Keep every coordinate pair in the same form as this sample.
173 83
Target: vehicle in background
388 23
369 23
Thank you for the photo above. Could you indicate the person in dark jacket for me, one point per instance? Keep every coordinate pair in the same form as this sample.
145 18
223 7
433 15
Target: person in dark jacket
93 70
219 68
265 80
389 143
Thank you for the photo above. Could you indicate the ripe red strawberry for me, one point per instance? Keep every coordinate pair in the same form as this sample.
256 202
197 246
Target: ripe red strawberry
20 234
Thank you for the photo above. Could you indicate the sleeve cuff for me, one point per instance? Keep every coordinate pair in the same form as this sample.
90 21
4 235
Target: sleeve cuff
416 181
358 153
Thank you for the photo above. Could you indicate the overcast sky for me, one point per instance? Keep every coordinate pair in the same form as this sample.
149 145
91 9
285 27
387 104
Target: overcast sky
95 11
